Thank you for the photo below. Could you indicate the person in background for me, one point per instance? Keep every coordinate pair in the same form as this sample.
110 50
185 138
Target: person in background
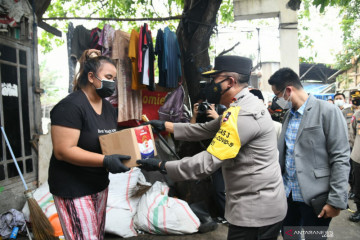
330 100
339 100
78 172
277 125
313 153
211 113
355 154
244 145
348 113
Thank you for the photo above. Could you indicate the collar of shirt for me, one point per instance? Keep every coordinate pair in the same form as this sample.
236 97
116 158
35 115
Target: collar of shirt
300 110
240 95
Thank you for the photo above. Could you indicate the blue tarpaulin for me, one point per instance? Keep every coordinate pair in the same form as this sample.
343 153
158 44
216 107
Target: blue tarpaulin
316 89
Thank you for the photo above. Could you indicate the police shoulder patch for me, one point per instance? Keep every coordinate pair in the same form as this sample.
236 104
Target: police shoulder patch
226 143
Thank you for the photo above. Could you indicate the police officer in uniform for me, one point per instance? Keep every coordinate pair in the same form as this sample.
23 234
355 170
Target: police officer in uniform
244 145
348 114
355 154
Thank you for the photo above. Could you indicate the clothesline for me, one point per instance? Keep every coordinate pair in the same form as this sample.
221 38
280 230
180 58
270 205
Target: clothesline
115 19
134 57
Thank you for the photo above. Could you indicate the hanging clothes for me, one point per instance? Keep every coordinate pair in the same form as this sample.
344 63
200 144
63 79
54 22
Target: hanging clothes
84 39
94 38
159 51
71 61
148 59
172 59
80 41
140 53
106 39
129 101
133 55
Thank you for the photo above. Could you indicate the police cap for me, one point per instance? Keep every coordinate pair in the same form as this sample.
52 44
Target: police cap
229 63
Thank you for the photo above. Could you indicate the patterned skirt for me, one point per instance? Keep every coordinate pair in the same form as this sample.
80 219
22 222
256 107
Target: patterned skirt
83 218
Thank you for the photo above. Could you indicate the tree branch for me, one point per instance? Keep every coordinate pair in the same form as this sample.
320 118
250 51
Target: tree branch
115 19
230 49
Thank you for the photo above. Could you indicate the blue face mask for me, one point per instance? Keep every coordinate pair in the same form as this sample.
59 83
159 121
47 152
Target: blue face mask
107 88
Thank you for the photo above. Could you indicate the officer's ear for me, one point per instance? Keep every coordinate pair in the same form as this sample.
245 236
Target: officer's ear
231 82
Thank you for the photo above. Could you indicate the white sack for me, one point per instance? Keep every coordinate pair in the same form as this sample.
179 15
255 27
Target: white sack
160 214
45 200
121 207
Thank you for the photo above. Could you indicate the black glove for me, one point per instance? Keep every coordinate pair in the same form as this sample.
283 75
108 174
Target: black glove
152 164
113 163
158 125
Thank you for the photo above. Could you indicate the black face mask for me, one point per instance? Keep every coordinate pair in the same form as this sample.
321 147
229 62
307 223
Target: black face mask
107 88
213 91
356 101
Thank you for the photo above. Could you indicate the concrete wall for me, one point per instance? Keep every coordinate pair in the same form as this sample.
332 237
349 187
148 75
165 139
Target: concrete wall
254 9
289 46
267 69
45 151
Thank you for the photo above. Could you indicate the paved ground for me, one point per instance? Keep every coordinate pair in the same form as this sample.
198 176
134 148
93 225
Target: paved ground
344 229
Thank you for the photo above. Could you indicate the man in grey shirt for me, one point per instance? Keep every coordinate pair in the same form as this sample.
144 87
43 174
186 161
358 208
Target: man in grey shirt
244 145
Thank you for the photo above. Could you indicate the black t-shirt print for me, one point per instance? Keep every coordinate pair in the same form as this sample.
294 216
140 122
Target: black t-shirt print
75 111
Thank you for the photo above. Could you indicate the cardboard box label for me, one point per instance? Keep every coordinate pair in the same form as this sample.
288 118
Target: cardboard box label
145 142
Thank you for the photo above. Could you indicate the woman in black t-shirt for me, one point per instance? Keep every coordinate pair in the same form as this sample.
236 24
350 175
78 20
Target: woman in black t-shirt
78 172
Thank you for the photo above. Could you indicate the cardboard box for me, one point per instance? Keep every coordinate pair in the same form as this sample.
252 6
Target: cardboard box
136 142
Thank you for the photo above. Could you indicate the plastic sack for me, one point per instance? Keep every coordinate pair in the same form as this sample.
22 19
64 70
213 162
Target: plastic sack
45 200
160 214
121 206
9 220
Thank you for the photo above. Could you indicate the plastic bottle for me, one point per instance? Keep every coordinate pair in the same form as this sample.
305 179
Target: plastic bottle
14 233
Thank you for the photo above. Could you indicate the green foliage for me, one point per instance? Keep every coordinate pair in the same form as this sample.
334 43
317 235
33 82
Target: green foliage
351 52
350 26
344 81
226 12
49 82
304 40
326 3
